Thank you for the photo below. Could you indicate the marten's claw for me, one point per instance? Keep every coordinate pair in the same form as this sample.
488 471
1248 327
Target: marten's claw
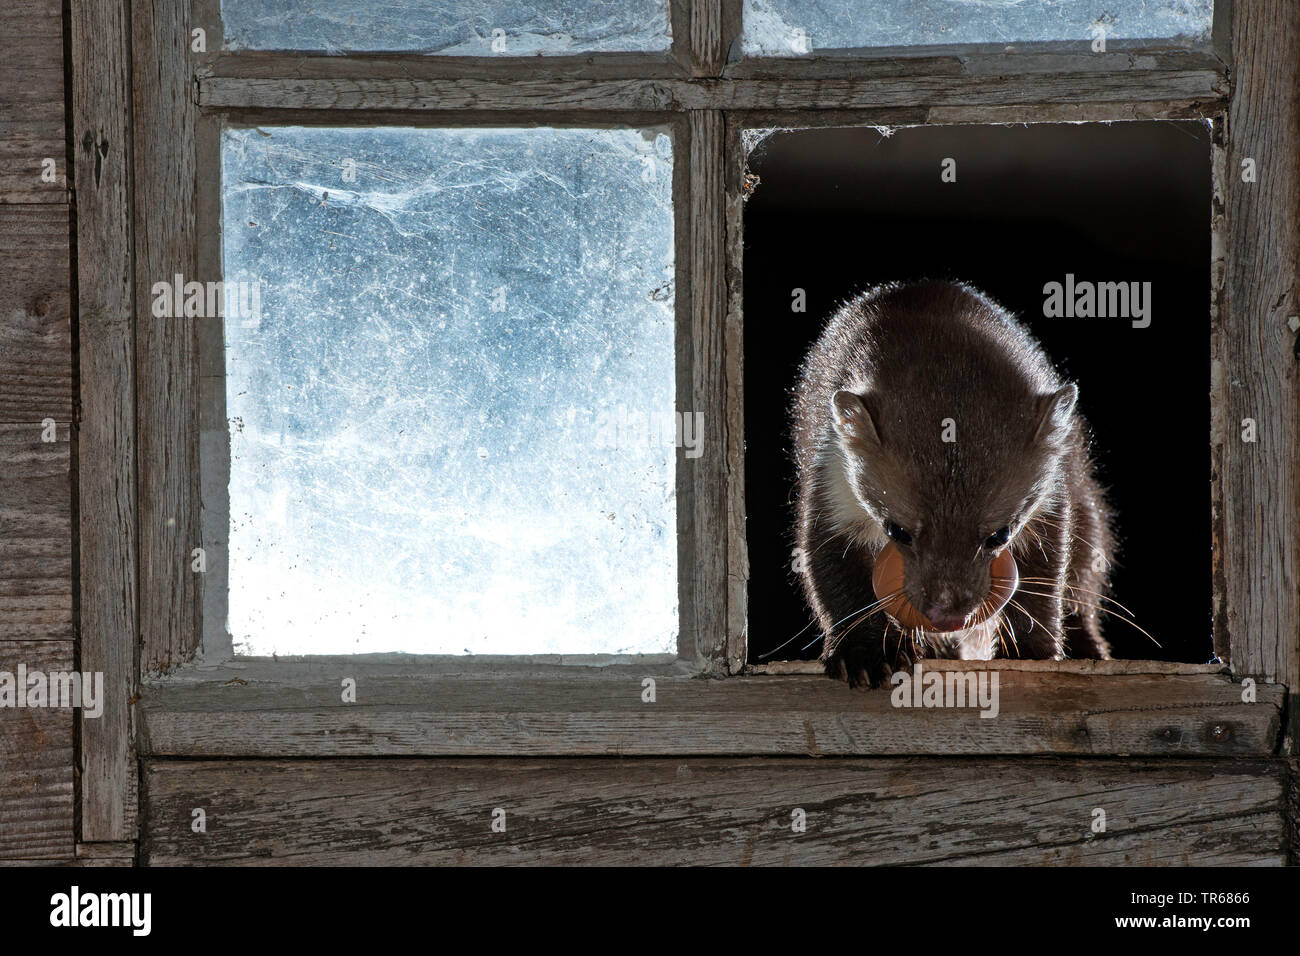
854 664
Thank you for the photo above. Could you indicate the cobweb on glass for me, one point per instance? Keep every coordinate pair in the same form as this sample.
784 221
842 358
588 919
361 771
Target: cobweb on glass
447 416
449 27
791 28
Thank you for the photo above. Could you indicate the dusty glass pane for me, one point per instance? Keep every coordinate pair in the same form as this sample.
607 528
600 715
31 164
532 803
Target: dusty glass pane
434 413
798 27
448 27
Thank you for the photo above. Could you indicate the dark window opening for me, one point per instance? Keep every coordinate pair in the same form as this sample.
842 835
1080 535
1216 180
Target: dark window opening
836 211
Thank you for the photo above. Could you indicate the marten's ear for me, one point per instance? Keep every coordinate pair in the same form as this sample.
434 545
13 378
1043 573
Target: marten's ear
1055 414
852 418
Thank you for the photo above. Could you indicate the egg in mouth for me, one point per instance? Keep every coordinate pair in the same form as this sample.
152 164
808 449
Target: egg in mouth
887 580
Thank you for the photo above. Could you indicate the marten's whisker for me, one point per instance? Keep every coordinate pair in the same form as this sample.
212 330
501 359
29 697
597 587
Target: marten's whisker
1010 631
820 636
1079 601
1101 610
1074 587
1023 610
866 611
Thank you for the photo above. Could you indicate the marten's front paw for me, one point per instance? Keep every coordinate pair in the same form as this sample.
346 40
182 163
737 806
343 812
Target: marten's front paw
855 664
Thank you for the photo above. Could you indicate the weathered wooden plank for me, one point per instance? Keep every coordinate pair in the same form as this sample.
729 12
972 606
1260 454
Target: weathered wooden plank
31 103
684 389
36 626
1219 415
708 40
35 329
1117 112
88 855
711 811
101 96
734 371
265 63
106 854
167 383
1232 842
36 813
704 556
1292 808
960 61
1257 508
1221 32
949 61
83 860
944 115
221 91
35 534
246 712
732 25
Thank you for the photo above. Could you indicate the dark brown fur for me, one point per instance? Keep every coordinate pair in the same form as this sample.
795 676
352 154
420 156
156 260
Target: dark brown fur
915 356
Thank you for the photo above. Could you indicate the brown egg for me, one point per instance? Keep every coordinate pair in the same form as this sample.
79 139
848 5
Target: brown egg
887 578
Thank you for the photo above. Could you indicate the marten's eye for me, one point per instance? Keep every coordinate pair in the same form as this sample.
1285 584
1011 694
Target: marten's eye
897 534
997 539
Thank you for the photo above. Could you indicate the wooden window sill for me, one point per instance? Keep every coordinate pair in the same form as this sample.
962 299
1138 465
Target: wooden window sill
264 709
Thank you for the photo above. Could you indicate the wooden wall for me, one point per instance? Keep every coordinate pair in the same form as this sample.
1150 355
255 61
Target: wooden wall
36 375
717 811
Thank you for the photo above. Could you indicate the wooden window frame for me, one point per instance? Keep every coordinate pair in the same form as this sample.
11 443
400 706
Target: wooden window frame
146 110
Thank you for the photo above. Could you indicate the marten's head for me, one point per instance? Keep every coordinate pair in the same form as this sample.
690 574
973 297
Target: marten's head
952 482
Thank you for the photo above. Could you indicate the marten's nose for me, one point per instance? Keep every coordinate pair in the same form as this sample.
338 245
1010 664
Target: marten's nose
941 619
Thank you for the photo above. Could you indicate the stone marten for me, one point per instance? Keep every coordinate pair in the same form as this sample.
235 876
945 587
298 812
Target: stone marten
929 422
